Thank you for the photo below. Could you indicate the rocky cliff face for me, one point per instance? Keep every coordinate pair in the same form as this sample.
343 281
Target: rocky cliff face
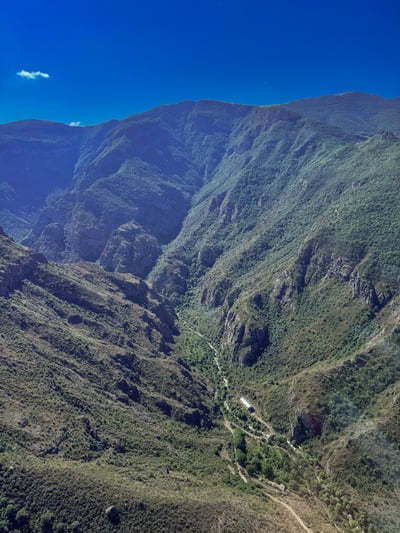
307 426
313 262
130 249
243 340
16 263
142 171
364 288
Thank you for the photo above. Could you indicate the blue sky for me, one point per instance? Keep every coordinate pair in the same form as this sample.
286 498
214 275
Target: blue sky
110 58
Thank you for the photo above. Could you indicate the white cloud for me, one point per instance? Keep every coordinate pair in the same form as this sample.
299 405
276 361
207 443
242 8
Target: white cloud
76 123
33 75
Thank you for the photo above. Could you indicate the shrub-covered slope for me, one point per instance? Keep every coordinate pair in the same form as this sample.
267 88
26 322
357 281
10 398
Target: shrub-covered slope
143 172
96 411
275 231
295 251
365 114
139 180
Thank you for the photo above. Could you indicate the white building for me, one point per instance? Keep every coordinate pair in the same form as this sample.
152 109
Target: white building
247 404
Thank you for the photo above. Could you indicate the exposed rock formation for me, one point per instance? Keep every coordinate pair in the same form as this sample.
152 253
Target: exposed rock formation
363 288
130 249
307 426
172 281
16 263
243 340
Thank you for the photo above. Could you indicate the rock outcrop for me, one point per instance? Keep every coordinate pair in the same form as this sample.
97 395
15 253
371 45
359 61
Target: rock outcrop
243 339
172 281
314 264
209 254
130 249
306 427
16 263
363 288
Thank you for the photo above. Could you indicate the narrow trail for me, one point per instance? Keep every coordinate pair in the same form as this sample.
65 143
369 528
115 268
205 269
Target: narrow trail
252 435
291 511
227 424
263 422
216 358
287 506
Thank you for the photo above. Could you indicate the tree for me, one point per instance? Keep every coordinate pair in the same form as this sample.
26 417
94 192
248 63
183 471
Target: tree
267 470
239 440
22 518
46 521
241 457
253 466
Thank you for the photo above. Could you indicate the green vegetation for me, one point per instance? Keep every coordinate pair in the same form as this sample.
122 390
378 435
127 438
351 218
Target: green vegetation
99 409
276 231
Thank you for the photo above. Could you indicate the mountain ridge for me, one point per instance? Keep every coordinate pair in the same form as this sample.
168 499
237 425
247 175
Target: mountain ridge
363 113
274 232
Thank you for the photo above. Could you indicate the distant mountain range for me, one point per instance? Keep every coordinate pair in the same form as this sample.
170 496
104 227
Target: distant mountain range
273 231
360 113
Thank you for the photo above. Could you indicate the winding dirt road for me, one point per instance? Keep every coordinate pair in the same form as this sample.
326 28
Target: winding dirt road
241 472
